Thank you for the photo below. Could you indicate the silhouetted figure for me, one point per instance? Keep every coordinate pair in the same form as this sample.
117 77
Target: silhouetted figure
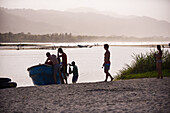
107 62
49 62
74 71
159 62
64 62
55 65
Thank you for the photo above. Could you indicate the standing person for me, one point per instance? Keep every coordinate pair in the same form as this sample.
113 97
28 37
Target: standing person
74 71
64 62
159 62
55 65
107 62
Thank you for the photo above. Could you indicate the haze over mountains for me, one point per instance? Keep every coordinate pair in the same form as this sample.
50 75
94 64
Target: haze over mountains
80 22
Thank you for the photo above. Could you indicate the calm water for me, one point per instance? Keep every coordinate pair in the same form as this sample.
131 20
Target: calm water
14 63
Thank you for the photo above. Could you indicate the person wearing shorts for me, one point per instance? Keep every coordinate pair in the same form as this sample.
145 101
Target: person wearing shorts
55 65
106 67
74 71
107 62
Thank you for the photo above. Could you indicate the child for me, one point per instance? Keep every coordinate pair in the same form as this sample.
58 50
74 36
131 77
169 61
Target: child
107 62
74 71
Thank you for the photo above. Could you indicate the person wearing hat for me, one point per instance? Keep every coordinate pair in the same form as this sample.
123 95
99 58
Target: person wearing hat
74 71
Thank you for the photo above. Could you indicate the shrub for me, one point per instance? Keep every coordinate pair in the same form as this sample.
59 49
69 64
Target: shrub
145 63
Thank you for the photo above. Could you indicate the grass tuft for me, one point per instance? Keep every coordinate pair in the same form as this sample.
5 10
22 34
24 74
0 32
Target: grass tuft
144 66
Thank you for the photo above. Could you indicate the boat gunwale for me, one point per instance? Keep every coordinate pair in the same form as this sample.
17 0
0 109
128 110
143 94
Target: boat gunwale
37 66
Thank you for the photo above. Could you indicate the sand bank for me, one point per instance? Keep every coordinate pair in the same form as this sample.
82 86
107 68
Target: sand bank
41 46
140 95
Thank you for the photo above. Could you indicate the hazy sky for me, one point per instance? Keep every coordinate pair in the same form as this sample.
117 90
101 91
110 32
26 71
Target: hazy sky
159 9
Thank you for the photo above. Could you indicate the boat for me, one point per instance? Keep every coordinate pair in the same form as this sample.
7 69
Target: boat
81 46
43 75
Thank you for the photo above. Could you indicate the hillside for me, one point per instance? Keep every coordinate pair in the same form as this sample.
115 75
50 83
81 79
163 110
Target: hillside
79 23
15 23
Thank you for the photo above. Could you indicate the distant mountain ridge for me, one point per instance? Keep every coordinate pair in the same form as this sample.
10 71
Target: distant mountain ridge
91 10
79 23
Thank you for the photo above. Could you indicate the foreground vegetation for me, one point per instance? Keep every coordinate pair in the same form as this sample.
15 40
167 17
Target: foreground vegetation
144 66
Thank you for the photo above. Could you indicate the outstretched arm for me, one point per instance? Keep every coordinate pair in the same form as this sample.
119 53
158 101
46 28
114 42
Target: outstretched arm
58 55
46 60
70 71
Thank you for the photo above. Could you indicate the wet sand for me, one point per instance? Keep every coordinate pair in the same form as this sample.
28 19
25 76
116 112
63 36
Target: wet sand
139 95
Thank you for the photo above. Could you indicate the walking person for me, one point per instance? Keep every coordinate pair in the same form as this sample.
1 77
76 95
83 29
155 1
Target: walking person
159 62
107 62
64 62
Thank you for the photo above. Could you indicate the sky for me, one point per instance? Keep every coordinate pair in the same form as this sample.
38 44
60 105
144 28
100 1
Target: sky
158 9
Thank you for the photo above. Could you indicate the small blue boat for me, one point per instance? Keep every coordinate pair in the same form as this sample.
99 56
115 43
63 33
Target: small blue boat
43 75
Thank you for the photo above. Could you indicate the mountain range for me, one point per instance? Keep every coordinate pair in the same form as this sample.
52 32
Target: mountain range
80 22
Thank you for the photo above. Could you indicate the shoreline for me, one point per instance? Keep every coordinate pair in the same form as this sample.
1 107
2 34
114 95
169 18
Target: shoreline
18 46
135 95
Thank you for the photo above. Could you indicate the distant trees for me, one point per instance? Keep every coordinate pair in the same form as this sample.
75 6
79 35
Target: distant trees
68 37
22 37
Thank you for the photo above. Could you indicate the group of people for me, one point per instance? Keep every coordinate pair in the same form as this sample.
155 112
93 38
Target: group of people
61 67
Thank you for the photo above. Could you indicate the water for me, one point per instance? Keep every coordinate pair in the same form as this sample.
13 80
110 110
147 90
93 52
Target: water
14 63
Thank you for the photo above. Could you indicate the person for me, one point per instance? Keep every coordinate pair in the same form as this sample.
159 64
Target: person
55 65
74 71
49 62
64 63
107 62
159 62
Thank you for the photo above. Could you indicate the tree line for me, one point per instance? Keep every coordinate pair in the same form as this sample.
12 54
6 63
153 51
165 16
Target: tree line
68 37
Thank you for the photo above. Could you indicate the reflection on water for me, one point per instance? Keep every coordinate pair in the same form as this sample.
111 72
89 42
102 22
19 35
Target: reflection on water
14 63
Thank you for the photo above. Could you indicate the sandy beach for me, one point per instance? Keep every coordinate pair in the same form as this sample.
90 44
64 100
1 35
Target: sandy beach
139 95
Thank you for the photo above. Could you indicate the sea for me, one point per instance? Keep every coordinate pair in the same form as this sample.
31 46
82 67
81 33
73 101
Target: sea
14 63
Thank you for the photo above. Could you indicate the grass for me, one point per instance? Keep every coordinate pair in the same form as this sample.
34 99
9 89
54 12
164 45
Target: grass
144 66
152 74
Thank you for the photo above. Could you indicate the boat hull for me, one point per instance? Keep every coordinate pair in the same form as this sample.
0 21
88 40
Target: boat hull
43 75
